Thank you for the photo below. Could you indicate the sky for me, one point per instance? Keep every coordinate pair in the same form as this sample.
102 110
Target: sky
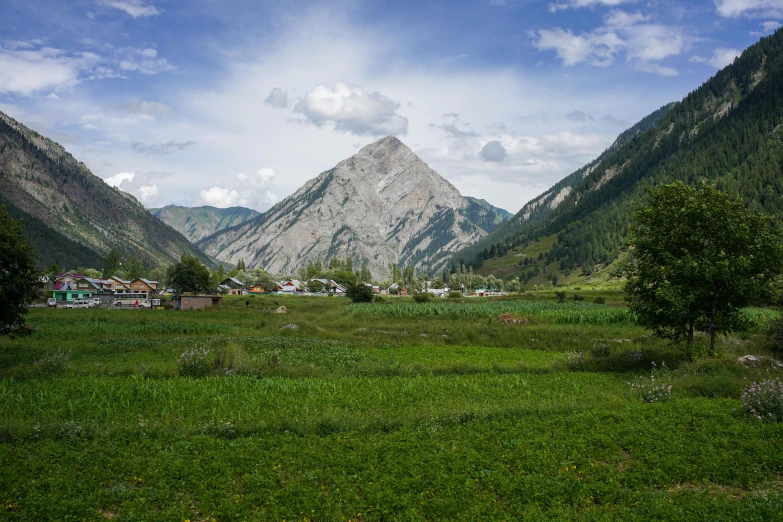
239 103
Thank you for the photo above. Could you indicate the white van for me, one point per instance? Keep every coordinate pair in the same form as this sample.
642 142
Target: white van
79 303
51 302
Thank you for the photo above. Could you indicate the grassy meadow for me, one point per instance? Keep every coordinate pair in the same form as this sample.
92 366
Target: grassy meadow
387 411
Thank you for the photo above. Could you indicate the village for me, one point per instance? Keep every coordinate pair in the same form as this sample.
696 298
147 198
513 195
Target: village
75 290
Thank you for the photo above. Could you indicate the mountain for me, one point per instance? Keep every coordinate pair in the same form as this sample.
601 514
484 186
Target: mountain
727 132
71 216
196 223
384 205
500 215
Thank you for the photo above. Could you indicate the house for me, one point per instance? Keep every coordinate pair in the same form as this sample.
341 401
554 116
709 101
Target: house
232 286
330 285
438 292
375 288
395 289
291 286
143 287
65 279
196 302
69 292
101 288
119 286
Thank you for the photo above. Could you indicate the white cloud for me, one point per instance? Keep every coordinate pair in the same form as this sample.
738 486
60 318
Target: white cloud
145 108
573 4
278 98
720 58
246 191
353 110
135 8
643 43
27 71
752 8
144 61
140 185
117 180
770 26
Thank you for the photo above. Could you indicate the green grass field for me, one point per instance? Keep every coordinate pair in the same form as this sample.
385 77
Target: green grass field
392 411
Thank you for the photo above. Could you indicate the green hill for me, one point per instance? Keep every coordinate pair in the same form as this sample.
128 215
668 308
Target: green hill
196 223
727 132
71 216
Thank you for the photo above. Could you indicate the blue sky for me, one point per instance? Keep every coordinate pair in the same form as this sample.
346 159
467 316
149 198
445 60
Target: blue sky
239 103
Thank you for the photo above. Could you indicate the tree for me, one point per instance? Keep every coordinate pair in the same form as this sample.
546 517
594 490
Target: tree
134 269
315 286
365 274
359 293
189 275
697 256
18 273
111 264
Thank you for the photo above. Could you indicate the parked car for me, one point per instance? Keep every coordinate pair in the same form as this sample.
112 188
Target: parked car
95 301
79 303
51 302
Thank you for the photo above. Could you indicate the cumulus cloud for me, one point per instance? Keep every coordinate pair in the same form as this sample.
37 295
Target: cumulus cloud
162 148
643 43
770 26
142 185
493 151
751 8
245 191
351 109
278 98
24 70
135 8
579 116
720 58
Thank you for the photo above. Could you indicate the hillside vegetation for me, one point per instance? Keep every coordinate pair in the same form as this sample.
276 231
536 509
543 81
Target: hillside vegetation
73 217
727 132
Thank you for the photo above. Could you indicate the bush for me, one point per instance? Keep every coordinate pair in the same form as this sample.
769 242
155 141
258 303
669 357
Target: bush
560 296
194 362
422 297
359 293
764 400
599 300
775 333
653 390
455 295
578 297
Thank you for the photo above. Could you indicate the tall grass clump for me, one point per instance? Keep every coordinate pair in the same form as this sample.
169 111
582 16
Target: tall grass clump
194 362
558 313
652 389
53 363
764 400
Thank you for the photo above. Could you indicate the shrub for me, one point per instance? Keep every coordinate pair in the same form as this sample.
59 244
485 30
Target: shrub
653 390
764 400
378 299
599 300
560 296
228 358
422 297
775 333
194 362
600 350
454 294
359 293
53 363
578 297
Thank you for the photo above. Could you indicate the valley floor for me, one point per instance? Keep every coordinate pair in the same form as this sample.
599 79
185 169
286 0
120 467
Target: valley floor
392 411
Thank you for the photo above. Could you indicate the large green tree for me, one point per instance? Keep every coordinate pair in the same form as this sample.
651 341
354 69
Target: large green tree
697 256
189 275
111 265
18 273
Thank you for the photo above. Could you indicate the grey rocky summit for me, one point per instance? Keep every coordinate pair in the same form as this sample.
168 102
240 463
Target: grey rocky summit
383 205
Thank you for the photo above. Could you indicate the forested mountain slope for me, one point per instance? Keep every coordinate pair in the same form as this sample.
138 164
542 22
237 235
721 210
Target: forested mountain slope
196 223
727 132
71 216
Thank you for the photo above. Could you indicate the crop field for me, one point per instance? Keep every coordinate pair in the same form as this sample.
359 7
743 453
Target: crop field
385 411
